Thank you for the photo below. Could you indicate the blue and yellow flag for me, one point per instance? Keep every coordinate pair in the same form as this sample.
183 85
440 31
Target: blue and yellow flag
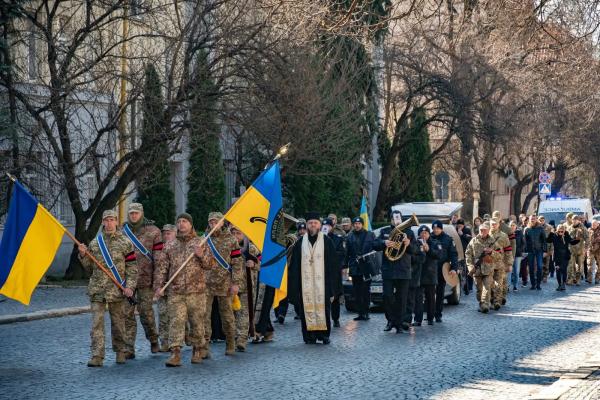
30 241
258 214
364 213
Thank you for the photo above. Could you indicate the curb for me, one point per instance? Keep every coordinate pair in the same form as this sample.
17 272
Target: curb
567 381
58 312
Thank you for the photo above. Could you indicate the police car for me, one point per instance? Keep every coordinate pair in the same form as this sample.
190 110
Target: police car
426 213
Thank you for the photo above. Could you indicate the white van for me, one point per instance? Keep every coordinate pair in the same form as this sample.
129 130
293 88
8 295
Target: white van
556 209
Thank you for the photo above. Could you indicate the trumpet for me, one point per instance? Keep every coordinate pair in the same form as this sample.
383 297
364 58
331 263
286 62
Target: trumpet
397 235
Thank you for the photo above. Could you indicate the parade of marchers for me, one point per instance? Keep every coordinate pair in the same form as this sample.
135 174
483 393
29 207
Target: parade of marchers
218 295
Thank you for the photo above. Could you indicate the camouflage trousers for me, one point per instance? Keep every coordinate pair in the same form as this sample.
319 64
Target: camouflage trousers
226 313
593 257
575 268
117 326
242 323
186 308
484 285
163 319
499 288
145 298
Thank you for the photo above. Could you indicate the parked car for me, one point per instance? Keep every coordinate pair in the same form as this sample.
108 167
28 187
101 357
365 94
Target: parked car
430 212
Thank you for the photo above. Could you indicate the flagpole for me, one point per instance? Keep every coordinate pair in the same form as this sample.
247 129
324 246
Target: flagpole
87 253
282 151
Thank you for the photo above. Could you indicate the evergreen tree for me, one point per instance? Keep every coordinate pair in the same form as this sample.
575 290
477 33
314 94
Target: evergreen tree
206 177
414 161
154 191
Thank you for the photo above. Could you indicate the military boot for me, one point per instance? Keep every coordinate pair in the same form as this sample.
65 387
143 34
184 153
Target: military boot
240 344
121 357
196 355
95 362
229 345
164 346
175 359
154 348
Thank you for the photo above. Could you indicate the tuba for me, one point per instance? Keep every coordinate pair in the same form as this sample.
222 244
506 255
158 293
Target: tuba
397 235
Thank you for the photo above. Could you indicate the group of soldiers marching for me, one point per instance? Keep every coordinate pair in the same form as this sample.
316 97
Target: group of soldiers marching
145 261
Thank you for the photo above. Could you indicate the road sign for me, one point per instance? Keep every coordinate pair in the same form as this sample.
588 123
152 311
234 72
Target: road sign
511 181
545 188
545 178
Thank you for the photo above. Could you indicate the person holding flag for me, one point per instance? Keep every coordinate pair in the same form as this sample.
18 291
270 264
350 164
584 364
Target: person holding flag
111 246
313 281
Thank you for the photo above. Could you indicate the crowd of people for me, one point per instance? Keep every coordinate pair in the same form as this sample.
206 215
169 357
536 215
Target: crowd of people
209 288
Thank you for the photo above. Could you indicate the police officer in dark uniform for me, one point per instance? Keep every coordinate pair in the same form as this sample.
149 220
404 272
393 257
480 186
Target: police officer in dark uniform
396 275
339 243
448 255
360 242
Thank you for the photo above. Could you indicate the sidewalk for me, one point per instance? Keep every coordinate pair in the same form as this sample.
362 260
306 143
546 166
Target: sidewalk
580 384
48 301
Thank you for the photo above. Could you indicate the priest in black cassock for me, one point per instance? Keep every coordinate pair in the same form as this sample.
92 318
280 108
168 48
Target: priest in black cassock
312 283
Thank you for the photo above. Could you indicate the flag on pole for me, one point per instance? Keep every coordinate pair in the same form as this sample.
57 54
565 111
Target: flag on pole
29 243
258 214
364 213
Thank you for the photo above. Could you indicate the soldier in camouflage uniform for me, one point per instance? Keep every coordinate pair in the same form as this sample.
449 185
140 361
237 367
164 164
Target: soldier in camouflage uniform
337 229
104 293
480 245
577 232
594 252
549 248
186 295
502 246
251 257
223 284
150 237
169 232
505 228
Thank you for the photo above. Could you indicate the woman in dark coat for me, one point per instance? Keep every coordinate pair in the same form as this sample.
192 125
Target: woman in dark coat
561 241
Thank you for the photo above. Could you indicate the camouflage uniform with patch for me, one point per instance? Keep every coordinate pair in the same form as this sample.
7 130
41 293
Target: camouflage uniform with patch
242 319
150 237
500 287
163 313
186 295
219 281
104 293
484 277
575 267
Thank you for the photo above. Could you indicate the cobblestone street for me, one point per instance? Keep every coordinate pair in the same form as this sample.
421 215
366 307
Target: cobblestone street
508 354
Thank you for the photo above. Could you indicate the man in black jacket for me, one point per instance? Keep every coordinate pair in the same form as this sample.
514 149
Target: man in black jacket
359 243
339 243
430 253
396 275
448 255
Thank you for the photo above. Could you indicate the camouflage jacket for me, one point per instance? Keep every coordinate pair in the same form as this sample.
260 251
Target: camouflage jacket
218 279
149 235
594 240
503 246
101 287
580 233
253 250
475 250
192 278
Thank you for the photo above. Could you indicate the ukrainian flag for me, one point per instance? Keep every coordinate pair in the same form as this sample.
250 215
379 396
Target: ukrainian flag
364 213
29 243
258 214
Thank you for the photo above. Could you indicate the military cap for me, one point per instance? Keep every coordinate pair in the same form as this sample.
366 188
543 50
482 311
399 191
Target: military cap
135 207
485 225
169 227
186 216
570 215
327 221
346 221
486 216
332 216
494 221
215 215
496 214
109 213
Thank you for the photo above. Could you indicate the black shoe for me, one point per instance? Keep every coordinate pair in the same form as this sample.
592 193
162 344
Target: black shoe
367 317
538 287
388 327
360 318
503 301
438 319
429 322
336 324
416 323
515 289
297 317
326 340
310 341
281 319
405 326
496 306
532 288
398 329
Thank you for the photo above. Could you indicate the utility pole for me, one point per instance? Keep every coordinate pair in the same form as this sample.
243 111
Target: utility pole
121 143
